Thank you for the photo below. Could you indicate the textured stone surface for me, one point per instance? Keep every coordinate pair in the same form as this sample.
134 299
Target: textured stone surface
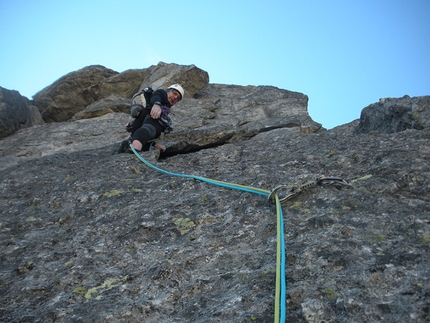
192 78
62 138
88 235
112 103
71 93
95 90
127 83
396 114
16 112
226 113
124 84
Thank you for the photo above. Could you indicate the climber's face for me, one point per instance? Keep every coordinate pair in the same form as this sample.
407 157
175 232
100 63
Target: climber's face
173 97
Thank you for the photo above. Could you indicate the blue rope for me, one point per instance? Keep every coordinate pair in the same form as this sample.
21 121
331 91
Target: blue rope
283 285
283 296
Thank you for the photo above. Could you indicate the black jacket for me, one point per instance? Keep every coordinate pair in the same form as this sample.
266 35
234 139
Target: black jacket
160 97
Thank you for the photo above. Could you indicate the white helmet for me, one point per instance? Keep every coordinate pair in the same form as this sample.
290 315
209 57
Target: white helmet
178 88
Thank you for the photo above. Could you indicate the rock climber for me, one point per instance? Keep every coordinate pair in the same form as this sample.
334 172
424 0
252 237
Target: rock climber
153 119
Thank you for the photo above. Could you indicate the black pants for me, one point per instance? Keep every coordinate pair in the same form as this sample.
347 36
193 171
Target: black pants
145 128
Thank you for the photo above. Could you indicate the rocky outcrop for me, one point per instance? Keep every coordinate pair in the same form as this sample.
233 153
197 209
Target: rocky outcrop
226 113
16 112
70 94
124 84
93 87
396 114
90 235
192 78
209 115
112 103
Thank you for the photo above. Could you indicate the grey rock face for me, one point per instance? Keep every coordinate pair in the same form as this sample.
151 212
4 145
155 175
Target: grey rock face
124 84
226 113
112 103
16 112
88 235
62 138
71 93
78 93
162 75
396 114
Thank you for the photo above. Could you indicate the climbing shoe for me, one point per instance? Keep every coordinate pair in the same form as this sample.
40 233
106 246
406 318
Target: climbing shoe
124 147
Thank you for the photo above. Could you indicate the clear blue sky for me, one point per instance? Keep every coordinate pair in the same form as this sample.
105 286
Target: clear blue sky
343 54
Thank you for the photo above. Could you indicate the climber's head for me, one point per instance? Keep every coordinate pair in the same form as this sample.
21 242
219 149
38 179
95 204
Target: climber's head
175 93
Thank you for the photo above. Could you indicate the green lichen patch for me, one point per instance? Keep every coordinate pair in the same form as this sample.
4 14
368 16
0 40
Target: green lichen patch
114 193
425 239
363 178
331 294
330 154
80 290
95 293
377 238
296 205
184 225
69 263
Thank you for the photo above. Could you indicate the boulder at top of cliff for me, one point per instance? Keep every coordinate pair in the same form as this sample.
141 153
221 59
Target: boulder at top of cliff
192 78
396 114
77 90
124 84
114 93
16 112
71 93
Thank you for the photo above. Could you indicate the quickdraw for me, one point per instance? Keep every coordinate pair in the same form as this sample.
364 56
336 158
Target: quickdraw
296 190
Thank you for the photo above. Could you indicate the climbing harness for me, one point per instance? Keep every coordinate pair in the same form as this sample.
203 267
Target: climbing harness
280 311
